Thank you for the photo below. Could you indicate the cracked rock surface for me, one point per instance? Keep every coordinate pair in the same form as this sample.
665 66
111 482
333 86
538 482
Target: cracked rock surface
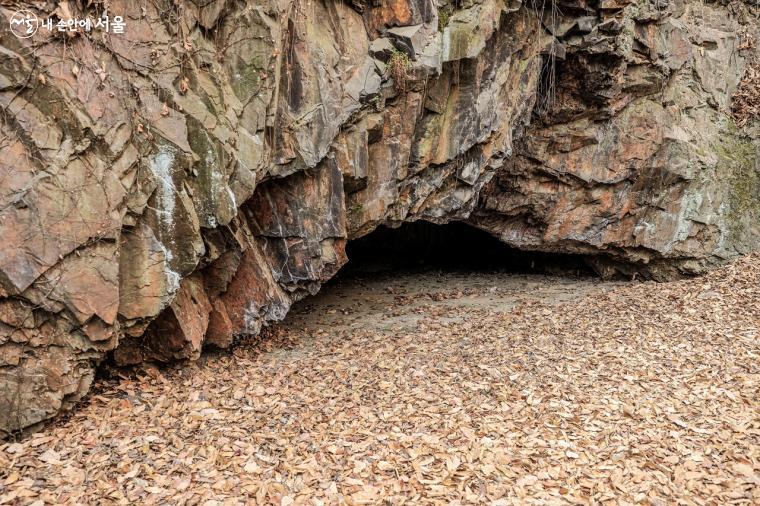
181 184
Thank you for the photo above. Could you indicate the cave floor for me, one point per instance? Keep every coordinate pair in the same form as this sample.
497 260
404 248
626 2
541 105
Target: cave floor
428 388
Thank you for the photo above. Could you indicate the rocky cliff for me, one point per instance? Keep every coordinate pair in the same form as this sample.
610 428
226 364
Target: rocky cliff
180 184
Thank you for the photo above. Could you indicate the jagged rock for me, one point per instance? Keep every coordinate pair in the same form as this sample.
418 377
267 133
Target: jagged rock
628 159
381 48
302 221
165 192
468 30
178 332
412 39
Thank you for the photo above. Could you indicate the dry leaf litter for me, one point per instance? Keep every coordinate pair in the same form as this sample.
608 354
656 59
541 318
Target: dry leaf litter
535 391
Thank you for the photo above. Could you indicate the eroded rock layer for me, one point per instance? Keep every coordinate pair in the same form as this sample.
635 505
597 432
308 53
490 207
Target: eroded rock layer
631 152
182 183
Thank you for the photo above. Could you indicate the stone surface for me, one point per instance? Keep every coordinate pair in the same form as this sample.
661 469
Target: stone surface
181 184
632 154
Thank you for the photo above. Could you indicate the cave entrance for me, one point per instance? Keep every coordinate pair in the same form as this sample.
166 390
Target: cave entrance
422 245
396 278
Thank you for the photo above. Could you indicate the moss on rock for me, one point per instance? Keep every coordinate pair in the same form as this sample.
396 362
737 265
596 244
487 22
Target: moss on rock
738 165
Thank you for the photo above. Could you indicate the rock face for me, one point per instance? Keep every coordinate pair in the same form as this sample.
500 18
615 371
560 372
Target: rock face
180 184
631 152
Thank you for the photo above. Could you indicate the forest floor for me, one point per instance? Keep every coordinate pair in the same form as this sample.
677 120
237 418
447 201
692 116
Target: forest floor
429 388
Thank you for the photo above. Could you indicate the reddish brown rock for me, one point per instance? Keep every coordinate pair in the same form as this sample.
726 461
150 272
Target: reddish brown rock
382 15
178 333
221 331
302 222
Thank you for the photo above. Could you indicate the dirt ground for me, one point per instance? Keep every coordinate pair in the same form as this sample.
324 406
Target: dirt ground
436 388
392 302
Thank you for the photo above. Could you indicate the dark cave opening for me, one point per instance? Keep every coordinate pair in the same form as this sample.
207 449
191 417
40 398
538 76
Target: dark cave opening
454 251
455 246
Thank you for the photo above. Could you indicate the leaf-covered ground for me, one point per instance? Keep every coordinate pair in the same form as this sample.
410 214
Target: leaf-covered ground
453 389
